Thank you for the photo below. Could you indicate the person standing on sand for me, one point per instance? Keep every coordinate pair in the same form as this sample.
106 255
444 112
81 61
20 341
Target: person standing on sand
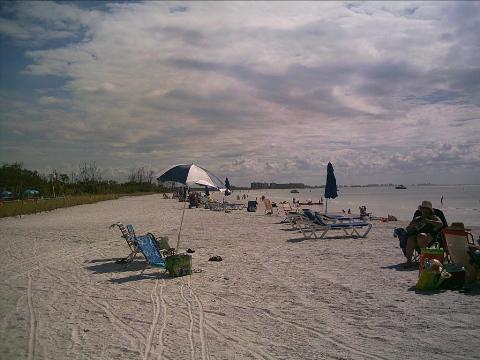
441 200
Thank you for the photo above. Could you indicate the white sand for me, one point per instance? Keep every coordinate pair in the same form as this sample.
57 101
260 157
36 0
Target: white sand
274 295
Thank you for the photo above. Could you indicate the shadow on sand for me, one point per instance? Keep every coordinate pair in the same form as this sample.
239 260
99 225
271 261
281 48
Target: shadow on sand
109 266
103 266
289 229
402 267
468 289
158 274
300 239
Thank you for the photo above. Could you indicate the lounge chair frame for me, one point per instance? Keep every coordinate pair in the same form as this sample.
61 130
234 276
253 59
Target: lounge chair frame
310 228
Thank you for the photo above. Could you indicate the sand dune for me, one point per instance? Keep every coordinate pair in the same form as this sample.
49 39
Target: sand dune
274 295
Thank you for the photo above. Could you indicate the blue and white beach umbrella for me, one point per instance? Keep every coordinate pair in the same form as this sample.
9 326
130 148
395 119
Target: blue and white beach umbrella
189 175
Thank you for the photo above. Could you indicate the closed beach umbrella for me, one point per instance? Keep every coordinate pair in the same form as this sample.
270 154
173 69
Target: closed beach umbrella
189 174
330 186
228 189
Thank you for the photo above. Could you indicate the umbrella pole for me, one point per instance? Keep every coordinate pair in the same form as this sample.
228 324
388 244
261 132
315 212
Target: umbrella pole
181 223
326 205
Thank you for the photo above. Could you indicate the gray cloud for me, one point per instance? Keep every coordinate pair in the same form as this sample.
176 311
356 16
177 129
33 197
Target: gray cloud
256 90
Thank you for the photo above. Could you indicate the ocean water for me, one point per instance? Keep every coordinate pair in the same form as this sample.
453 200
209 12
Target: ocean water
460 202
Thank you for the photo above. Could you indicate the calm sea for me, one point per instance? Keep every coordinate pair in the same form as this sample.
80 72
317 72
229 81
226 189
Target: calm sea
460 202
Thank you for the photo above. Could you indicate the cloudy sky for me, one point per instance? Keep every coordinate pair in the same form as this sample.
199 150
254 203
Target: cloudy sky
257 91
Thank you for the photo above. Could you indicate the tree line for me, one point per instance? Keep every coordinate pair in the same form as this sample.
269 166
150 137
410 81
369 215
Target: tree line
86 180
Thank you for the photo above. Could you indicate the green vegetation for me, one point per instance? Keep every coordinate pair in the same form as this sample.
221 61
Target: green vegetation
32 206
62 190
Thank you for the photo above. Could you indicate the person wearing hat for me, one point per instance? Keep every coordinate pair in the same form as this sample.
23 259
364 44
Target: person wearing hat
422 230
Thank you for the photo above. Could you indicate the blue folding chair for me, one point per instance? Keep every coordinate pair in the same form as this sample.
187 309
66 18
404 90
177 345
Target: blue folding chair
148 246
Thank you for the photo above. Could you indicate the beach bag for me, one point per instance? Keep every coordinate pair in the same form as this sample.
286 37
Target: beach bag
431 253
429 280
433 275
179 265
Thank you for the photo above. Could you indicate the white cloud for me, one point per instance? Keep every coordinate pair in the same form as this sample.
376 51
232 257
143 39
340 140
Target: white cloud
50 100
262 90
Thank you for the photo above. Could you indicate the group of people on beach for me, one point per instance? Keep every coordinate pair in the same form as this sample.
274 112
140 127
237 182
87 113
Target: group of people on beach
426 229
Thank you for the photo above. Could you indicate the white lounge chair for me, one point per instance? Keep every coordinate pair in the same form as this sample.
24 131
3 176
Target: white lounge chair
310 227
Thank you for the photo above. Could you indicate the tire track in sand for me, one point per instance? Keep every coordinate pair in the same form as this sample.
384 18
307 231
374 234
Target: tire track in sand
31 313
41 263
164 321
190 316
331 339
135 339
236 341
201 321
32 320
156 312
268 313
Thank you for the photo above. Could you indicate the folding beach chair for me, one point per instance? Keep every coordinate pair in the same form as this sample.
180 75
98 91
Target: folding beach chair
310 227
148 246
456 246
128 233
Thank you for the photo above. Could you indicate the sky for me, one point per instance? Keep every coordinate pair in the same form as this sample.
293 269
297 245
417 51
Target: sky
389 92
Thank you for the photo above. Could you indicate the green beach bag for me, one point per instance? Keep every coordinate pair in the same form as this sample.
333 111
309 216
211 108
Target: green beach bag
179 265
429 280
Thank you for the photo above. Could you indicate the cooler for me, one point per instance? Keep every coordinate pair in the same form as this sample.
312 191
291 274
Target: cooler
457 280
252 206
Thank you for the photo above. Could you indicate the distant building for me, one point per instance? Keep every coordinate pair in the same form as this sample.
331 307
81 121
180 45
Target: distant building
287 186
259 185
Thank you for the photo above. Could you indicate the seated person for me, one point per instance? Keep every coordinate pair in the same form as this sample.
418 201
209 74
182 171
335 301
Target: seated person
437 212
363 211
193 199
422 230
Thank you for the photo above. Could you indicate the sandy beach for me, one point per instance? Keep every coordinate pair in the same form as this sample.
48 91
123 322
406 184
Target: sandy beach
275 295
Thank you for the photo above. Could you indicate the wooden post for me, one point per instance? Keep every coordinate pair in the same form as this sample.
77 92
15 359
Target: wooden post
181 223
